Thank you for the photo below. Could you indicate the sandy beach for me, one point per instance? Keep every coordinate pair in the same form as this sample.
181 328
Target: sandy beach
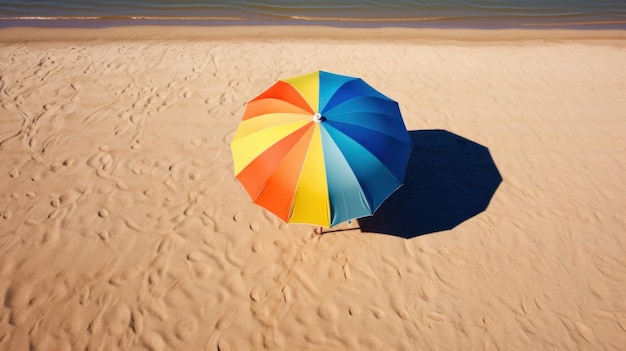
122 225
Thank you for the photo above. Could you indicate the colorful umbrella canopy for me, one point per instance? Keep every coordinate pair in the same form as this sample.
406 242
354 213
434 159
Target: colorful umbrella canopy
321 149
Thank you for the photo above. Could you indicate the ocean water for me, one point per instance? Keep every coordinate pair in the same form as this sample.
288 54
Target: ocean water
414 13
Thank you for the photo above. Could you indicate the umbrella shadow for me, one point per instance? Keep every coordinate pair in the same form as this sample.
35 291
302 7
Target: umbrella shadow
449 179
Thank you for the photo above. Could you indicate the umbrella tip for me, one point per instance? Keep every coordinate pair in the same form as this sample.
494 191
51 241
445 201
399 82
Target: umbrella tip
317 118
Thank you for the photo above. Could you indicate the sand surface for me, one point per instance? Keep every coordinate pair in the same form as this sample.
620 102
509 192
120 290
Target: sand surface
123 227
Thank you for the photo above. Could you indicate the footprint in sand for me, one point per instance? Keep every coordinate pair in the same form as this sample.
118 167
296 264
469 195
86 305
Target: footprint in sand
435 316
202 261
103 213
227 319
315 336
153 341
18 296
257 246
378 313
18 300
354 310
125 275
66 199
136 322
397 304
328 312
103 163
256 294
14 172
287 293
429 290
117 319
186 328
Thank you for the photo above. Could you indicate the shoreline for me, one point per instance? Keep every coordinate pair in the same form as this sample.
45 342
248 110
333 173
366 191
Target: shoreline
309 32
345 23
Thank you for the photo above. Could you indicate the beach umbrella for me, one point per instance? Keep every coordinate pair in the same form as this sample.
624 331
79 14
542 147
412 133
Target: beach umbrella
321 148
